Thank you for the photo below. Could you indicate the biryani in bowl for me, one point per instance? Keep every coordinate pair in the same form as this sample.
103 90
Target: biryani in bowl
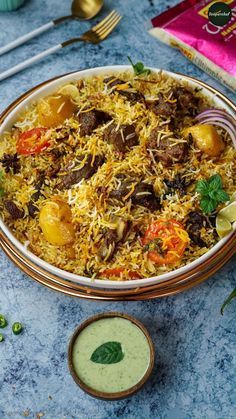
120 176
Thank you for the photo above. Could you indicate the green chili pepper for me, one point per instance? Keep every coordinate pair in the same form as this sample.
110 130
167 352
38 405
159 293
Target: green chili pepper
3 322
17 328
1 338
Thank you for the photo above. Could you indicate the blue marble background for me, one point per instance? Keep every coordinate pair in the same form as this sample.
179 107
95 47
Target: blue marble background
194 376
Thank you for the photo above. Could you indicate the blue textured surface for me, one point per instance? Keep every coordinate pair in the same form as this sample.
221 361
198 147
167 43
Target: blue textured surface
195 373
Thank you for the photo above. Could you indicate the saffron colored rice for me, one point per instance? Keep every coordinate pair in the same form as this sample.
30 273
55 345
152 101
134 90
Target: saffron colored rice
92 210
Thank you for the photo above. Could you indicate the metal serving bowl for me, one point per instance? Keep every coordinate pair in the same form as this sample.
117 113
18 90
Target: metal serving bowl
76 285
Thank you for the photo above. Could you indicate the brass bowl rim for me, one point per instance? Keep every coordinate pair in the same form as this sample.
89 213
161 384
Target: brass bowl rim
115 395
36 271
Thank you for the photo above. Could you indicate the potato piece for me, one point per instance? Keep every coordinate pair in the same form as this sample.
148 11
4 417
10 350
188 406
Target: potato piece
54 110
55 220
206 138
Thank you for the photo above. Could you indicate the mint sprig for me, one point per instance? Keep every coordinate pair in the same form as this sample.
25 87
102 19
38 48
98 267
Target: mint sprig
139 68
108 353
212 193
228 300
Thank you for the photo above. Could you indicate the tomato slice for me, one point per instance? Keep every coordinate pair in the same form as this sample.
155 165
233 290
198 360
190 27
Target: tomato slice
32 141
115 273
165 241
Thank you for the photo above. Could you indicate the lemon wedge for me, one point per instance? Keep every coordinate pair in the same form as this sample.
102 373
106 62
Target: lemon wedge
233 197
70 90
223 226
229 212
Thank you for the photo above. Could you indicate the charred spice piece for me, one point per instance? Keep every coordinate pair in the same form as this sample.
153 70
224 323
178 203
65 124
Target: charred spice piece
179 183
10 162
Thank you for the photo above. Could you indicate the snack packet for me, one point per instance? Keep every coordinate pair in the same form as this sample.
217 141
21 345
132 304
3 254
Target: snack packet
211 46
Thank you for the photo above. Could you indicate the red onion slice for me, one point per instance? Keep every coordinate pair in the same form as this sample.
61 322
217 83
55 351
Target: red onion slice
219 118
217 112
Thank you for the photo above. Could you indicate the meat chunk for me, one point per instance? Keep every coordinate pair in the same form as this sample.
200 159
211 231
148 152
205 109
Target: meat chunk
86 172
195 221
112 237
112 81
132 95
182 101
13 210
123 138
53 170
143 194
123 189
168 150
179 183
56 153
90 120
162 107
187 102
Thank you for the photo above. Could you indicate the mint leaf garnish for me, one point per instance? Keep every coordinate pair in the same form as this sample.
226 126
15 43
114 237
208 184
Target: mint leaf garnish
108 353
222 196
212 193
139 68
207 205
202 187
215 182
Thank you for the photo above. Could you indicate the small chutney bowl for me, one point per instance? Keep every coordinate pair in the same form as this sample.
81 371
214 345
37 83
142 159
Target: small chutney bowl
114 395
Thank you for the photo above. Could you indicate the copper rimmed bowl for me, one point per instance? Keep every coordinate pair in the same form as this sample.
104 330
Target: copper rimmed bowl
72 284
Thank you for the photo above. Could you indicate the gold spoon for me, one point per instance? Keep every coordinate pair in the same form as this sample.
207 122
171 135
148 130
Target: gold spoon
80 9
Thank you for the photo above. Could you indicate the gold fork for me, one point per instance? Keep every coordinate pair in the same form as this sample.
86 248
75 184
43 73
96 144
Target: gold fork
94 36
99 32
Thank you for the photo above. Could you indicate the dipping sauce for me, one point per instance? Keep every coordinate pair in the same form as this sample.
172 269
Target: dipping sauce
112 377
